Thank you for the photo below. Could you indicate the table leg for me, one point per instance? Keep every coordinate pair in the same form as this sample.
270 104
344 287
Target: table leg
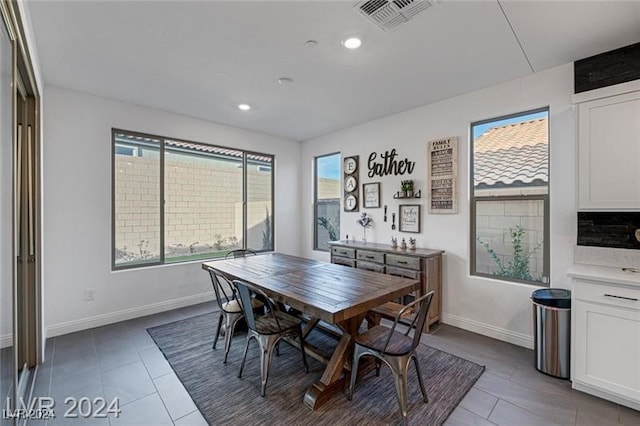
307 328
335 377
373 319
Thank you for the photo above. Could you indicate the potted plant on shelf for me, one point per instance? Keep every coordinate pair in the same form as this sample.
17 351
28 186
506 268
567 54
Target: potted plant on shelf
407 188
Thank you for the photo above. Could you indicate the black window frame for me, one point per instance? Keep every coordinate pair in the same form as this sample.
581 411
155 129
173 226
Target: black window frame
318 202
545 198
163 140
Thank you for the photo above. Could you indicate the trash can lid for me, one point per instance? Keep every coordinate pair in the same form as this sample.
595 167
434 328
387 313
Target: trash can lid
554 297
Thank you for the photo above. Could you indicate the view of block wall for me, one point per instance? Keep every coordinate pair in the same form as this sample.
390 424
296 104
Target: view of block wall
203 208
493 222
328 188
137 205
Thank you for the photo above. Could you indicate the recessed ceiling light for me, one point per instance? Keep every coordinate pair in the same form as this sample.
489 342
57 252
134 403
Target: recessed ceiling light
310 43
352 43
244 107
285 80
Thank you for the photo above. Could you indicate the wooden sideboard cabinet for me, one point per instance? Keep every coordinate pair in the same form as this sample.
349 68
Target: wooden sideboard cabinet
424 265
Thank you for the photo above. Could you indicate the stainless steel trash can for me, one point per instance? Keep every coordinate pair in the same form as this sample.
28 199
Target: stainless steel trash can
552 331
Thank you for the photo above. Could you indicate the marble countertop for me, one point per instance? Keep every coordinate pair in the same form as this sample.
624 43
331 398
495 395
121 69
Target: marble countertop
606 274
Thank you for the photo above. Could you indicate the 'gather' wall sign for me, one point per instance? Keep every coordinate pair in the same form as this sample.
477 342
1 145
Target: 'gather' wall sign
389 165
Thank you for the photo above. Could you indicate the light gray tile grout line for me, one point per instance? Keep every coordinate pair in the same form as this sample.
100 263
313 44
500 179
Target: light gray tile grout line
53 357
158 390
188 414
495 404
161 400
53 352
95 349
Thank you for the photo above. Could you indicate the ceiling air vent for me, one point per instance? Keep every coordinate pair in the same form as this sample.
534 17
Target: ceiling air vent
387 15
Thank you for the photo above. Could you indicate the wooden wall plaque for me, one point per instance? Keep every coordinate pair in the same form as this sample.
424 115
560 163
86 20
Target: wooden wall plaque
351 184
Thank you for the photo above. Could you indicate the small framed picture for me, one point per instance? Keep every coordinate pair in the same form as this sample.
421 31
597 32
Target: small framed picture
409 215
371 193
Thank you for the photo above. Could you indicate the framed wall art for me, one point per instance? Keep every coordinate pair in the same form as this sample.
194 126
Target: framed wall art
371 195
409 218
350 183
442 170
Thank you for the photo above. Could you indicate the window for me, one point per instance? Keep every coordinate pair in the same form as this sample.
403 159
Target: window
327 200
510 197
215 199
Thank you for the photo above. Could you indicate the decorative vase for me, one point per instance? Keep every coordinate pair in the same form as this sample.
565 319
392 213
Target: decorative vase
364 235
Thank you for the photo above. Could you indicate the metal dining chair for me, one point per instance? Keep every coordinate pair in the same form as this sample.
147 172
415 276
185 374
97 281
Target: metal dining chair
230 310
395 349
268 329
239 253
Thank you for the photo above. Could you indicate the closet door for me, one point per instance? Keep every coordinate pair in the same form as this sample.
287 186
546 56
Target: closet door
8 366
27 212
20 306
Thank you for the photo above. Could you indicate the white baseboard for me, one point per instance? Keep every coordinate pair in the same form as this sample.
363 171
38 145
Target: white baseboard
125 314
605 394
489 330
6 340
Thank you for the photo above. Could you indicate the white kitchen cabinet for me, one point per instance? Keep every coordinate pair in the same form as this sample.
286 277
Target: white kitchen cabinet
606 338
609 148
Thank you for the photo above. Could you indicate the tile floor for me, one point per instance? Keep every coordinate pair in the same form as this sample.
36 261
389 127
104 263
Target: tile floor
121 360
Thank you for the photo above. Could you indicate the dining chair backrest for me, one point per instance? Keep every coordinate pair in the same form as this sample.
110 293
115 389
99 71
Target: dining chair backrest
222 287
239 253
247 292
418 321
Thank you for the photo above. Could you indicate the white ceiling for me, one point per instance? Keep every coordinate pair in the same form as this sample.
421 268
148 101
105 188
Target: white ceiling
203 58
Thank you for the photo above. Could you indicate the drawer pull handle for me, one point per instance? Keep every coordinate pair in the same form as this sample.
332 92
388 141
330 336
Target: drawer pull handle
402 262
633 299
343 252
370 257
402 276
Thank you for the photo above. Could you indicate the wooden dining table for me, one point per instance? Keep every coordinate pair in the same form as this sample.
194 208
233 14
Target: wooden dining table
327 292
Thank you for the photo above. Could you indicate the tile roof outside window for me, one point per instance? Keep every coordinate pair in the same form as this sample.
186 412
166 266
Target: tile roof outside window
513 155
204 148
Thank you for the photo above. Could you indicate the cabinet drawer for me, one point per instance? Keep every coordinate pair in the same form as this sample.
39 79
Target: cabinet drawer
344 252
403 261
375 267
344 261
370 256
402 272
607 294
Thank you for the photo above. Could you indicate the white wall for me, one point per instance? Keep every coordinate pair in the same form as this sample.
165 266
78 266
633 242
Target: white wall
494 308
77 210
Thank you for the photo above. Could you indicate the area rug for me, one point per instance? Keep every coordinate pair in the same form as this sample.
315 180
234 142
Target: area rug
223 398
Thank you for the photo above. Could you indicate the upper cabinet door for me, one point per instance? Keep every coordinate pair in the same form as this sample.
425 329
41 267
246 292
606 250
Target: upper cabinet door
609 153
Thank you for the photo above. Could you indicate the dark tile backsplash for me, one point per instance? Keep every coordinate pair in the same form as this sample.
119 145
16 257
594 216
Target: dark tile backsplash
606 69
608 229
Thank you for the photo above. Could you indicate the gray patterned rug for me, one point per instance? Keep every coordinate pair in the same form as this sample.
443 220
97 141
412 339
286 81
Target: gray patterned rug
223 398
